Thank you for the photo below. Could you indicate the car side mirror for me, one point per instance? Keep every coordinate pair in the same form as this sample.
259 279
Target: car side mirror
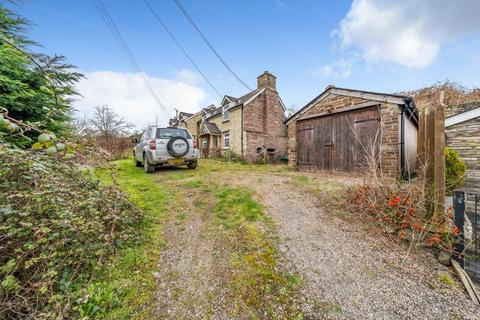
134 140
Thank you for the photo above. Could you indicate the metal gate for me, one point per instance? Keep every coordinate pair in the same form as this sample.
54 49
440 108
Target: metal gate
467 219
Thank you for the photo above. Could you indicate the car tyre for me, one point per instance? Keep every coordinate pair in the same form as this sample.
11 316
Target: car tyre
137 163
147 167
192 165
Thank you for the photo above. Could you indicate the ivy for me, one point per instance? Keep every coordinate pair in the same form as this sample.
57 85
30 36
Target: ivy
58 226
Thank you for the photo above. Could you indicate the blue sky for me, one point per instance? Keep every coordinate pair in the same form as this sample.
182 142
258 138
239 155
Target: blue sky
376 45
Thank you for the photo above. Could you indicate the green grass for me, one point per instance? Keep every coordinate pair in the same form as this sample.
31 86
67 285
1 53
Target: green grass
258 281
235 207
126 288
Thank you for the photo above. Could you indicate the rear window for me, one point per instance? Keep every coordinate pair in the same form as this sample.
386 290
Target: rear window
171 132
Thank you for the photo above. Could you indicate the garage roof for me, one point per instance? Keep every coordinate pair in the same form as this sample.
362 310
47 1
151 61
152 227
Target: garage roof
462 117
405 101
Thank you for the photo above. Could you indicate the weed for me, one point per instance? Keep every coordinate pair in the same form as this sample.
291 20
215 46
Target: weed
336 308
445 278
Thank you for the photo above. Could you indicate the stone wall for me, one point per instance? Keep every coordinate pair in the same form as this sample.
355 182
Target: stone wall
330 103
192 125
389 125
465 139
265 135
390 152
234 127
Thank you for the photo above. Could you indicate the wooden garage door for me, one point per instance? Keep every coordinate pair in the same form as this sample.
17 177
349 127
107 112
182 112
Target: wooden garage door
341 141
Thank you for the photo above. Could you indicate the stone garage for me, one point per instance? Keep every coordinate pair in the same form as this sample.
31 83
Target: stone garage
346 130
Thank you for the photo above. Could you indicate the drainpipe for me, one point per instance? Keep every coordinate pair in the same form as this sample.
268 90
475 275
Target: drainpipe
402 144
241 131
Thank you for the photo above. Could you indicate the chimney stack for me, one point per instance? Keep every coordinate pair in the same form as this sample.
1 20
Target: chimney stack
267 80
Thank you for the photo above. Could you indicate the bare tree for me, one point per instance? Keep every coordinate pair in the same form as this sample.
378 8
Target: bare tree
107 124
80 125
291 110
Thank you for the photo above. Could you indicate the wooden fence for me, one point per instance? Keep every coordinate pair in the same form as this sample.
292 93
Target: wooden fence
431 146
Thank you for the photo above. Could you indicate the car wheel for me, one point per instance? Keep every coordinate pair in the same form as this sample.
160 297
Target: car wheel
192 165
136 163
147 167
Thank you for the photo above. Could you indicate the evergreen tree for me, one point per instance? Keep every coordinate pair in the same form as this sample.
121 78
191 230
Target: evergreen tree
35 88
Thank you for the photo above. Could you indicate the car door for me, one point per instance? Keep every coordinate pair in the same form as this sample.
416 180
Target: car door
141 145
138 148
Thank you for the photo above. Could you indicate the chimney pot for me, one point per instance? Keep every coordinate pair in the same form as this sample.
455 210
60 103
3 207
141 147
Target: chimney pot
267 80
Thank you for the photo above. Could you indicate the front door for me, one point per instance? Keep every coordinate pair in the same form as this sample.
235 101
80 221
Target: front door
204 145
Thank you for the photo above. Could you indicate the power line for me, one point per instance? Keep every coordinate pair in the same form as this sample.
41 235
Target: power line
181 48
103 11
210 45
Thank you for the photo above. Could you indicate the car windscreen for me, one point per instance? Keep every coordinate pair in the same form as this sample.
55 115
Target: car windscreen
172 132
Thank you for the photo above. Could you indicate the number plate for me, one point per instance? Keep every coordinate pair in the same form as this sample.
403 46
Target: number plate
176 161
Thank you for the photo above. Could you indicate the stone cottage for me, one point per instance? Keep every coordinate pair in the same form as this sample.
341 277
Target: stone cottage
251 126
346 130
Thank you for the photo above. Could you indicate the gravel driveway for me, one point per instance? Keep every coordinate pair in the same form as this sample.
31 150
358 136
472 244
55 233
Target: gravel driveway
347 273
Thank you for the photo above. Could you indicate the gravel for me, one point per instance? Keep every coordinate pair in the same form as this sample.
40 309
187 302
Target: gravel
191 282
348 273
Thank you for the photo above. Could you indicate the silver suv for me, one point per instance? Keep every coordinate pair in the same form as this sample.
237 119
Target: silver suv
163 147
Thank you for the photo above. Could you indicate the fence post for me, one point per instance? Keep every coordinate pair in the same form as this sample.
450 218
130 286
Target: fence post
421 139
429 142
439 159
459 219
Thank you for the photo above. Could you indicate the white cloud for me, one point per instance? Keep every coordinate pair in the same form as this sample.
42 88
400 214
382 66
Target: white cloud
128 96
187 76
407 32
342 68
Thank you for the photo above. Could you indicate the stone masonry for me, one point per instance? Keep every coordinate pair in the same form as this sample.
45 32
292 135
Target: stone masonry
389 114
263 118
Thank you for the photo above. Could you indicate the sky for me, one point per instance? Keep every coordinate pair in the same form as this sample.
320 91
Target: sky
375 45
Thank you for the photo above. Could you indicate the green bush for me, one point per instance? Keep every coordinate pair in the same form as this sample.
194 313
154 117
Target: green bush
455 170
58 227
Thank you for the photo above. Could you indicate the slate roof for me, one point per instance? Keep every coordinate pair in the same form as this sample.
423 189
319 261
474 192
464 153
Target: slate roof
212 128
406 101
183 115
238 101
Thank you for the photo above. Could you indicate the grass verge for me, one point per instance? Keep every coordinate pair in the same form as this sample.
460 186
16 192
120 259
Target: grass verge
125 289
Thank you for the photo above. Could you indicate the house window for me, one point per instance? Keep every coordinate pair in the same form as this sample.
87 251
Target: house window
215 142
226 140
226 115
205 143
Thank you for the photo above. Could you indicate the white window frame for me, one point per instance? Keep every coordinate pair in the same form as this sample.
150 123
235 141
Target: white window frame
226 137
226 115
